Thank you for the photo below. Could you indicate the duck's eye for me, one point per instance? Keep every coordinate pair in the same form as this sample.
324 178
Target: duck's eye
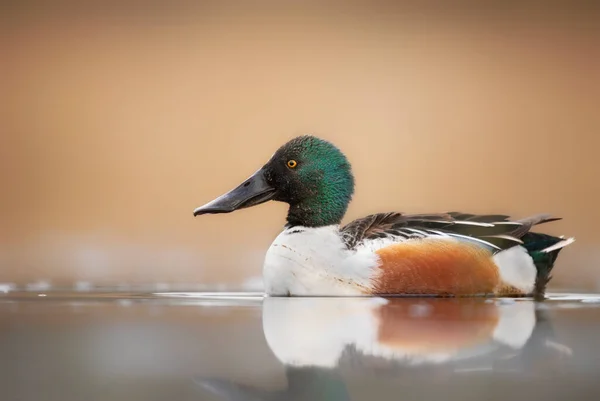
292 163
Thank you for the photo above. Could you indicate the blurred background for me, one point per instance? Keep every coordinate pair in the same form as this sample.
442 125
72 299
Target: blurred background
121 117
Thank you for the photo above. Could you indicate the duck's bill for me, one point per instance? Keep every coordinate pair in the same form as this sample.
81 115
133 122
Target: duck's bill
254 191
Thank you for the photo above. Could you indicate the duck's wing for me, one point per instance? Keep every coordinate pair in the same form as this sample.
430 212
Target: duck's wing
496 232
384 225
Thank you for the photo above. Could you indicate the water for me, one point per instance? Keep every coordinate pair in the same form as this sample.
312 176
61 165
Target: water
239 346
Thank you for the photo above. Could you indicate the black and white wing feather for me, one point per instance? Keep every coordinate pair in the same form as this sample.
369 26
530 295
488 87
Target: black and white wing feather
496 232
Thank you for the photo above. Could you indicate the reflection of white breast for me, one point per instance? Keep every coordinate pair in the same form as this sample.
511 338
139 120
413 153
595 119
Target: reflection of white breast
315 261
315 331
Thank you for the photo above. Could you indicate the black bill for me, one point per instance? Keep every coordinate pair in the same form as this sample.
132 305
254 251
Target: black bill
254 191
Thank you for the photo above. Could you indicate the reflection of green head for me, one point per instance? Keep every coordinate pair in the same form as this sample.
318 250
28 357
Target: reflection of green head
316 384
312 384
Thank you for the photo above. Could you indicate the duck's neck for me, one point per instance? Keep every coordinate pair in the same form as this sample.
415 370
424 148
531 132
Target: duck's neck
316 214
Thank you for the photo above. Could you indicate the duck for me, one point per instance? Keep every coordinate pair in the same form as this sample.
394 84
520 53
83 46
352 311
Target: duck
446 254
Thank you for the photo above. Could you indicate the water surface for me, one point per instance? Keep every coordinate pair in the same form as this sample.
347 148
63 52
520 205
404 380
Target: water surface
241 346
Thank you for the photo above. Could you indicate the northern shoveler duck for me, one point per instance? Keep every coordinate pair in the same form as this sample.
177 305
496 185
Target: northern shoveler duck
437 254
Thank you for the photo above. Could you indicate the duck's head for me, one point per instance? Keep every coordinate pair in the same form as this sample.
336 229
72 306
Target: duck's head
308 173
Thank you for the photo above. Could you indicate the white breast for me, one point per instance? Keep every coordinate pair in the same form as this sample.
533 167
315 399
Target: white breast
315 262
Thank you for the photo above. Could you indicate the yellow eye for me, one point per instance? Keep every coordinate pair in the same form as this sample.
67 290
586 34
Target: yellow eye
292 163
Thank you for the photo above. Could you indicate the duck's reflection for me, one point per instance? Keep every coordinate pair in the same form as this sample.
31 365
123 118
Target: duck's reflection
316 337
317 331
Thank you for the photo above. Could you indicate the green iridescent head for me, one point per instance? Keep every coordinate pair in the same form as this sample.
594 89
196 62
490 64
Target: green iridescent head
310 174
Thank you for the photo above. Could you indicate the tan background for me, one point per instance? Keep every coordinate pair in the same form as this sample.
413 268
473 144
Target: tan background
120 119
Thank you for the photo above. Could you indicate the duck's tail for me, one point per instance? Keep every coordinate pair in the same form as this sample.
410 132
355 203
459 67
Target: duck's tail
544 250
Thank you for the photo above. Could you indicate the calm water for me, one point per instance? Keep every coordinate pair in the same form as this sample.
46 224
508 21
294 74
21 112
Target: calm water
241 347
